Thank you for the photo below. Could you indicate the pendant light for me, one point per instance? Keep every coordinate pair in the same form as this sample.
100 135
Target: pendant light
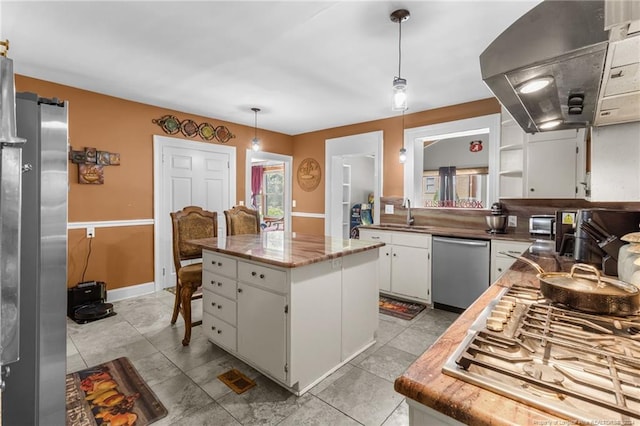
255 142
403 151
399 100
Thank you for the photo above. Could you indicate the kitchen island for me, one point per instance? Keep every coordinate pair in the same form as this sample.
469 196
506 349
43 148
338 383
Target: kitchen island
295 307
437 397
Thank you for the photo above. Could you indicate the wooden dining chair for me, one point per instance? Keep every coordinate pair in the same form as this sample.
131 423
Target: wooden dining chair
242 220
190 223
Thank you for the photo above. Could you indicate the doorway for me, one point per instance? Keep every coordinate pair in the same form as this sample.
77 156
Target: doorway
187 173
341 156
269 175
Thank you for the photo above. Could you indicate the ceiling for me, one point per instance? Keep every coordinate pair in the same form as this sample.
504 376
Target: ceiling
308 65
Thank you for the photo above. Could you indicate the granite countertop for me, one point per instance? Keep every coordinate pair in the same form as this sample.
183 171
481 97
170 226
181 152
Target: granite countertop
425 383
453 232
285 249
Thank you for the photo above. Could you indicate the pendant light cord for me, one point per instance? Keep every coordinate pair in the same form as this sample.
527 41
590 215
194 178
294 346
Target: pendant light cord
399 46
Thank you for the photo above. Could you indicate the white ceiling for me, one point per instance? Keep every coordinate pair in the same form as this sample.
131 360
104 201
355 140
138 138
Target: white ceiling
308 65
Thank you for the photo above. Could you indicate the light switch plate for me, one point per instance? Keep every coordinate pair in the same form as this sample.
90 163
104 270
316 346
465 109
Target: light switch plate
512 221
388 209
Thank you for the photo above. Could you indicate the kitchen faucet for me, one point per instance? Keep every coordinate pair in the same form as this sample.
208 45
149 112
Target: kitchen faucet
407 205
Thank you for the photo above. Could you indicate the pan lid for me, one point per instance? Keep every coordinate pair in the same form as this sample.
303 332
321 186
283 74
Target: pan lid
592 283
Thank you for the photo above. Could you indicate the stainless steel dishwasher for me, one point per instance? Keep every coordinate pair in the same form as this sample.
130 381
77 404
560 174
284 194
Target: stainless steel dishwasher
459 271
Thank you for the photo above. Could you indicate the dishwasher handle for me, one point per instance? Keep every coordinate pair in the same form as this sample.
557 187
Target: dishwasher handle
461 242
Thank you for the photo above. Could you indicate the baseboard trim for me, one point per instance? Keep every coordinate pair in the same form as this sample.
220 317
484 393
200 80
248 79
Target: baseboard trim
130 291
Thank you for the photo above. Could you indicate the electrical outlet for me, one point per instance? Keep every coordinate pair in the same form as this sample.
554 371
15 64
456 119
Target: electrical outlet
241 203
293 204
388 209
91 232
512 221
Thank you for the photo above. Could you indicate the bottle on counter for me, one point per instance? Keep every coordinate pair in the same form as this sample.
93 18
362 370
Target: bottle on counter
629 259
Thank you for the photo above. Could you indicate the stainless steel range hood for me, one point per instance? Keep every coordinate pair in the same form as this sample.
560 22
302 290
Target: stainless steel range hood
564 40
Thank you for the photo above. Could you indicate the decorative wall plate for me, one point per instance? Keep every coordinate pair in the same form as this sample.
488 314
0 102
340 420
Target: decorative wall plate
169 123
189 128
309 174
223 134
206 131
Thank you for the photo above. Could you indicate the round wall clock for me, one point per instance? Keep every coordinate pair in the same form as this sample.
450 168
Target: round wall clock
309 174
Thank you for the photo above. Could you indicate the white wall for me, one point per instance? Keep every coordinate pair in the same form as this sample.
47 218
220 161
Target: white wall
615 160
455 152
362 178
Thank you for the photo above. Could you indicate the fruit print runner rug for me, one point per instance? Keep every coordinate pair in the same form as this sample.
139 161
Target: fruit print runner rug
112 393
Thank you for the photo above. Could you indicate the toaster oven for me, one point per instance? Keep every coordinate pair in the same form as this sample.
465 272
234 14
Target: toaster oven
542 225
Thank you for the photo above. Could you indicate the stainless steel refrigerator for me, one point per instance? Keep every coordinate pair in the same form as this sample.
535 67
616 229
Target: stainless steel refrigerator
34 389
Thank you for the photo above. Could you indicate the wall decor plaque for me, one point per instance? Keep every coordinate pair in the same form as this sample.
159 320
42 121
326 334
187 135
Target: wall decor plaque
91 174
223 134
309 174
169 123
189 128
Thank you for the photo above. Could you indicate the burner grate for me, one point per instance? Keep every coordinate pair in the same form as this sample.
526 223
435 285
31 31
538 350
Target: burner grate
576 365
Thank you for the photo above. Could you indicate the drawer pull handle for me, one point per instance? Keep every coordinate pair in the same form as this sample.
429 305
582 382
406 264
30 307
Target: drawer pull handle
375 238
219 331
213 304
499 269
219 263
213 328
254 273
219 284
261 275
239 290
219 306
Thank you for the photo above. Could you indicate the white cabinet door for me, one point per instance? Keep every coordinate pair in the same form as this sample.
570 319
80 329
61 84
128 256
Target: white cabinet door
410 271
500 262
262 332
384 268
552 164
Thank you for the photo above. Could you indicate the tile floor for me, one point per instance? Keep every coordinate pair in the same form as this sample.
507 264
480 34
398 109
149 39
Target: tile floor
184 378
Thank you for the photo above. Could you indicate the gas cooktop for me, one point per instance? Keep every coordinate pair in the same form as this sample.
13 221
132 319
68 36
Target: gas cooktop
582 367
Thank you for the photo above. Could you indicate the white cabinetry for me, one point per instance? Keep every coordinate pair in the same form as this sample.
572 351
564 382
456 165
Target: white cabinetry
295 325
404 266
500 263
541 165
219 300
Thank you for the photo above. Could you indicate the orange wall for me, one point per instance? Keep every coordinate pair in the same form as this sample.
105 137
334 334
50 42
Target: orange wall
312 145
123 256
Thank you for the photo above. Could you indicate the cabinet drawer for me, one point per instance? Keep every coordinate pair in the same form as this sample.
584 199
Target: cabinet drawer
501 265
515 248
219 332
219 306
273 279
411 240
219 264
377 236
219 284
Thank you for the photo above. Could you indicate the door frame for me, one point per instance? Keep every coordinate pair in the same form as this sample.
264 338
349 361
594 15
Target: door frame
159 192
270 156
370 143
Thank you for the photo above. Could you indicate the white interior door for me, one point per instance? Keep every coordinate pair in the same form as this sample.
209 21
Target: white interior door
188 174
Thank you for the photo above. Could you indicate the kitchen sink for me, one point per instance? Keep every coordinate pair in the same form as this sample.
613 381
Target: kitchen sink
402 226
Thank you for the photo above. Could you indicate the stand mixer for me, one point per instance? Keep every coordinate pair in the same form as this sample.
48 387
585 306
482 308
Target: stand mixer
497 222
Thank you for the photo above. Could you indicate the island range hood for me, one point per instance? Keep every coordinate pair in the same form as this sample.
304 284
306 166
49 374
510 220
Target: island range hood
563 44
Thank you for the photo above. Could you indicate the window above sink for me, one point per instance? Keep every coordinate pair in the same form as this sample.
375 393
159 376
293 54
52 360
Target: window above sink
465 175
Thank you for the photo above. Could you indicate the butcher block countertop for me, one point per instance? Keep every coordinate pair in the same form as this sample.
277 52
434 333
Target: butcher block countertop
425 383
285 249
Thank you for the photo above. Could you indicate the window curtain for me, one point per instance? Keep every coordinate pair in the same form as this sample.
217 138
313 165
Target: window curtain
256 184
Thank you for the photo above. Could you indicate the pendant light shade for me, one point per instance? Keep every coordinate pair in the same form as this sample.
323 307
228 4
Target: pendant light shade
255 142
399 99
403 155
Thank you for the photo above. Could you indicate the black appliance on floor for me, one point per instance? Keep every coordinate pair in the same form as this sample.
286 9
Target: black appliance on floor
87 302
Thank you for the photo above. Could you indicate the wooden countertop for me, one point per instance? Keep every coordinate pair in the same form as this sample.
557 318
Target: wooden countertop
285 249
425 383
